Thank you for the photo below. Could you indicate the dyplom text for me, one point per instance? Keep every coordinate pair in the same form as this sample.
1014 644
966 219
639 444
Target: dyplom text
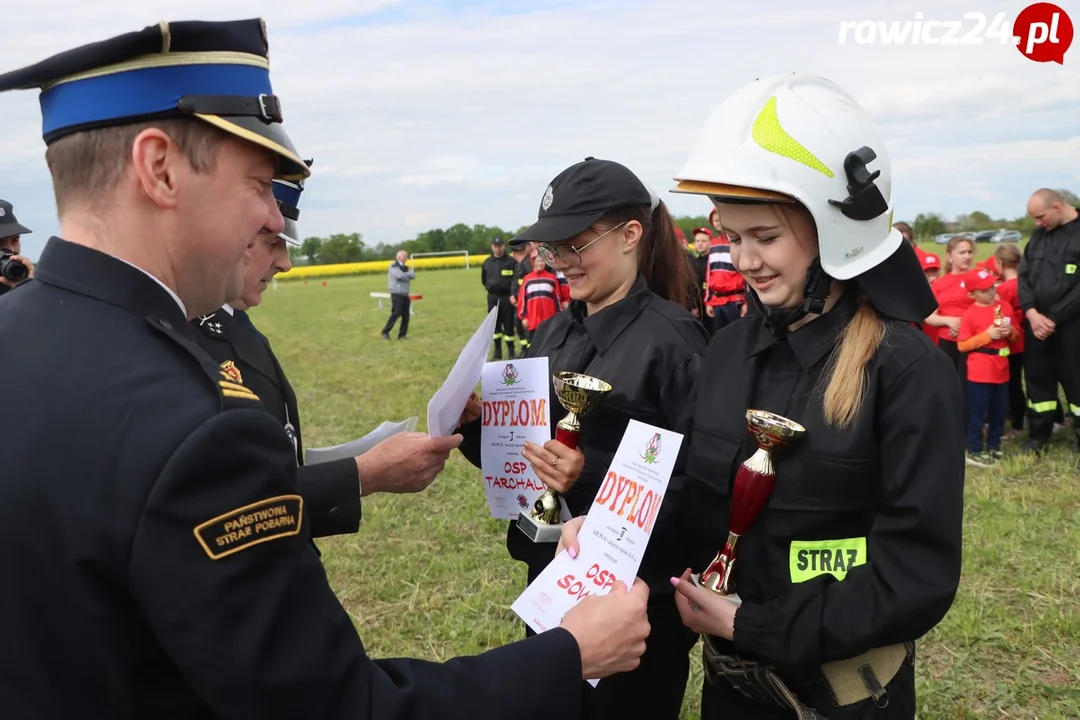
532 412
630 500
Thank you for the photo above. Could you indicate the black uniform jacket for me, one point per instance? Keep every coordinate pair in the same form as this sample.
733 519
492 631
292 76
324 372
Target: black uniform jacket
859 545
331 491
521 269
155 551
497 274
1049 275
649 350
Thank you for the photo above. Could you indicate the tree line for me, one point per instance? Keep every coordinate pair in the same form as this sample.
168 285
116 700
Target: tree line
342 248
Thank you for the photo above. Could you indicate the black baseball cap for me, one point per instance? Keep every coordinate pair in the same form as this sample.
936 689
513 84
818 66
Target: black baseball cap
498 241
579 196
9 226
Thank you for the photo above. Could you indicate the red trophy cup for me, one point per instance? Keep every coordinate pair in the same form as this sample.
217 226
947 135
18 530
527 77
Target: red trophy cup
578 394
753 486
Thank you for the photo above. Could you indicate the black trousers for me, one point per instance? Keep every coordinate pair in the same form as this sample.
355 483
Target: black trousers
655 688
1017 401
989 403
524 336
504 318
1048 363
723 315
399 308
723 702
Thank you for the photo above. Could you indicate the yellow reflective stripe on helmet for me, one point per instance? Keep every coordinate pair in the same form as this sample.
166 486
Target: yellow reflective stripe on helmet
769 135
810 558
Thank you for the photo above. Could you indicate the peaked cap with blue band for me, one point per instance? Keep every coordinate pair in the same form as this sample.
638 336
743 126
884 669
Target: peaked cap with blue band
218 72
287 194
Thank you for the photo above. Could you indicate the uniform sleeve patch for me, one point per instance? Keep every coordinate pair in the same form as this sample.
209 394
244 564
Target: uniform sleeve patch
251 525
231 371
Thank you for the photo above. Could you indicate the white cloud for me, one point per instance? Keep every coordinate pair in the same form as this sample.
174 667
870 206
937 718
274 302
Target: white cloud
425 114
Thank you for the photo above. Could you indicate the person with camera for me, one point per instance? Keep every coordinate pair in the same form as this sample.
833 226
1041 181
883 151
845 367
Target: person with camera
14 267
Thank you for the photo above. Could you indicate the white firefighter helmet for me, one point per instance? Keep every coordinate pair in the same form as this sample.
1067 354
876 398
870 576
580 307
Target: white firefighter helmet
802 137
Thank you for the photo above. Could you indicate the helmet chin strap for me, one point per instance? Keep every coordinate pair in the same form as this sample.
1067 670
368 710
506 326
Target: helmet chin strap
815 294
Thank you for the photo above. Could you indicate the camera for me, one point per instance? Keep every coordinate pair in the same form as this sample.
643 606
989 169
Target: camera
11 269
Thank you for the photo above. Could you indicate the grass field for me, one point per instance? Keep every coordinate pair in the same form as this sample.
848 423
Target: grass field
428 575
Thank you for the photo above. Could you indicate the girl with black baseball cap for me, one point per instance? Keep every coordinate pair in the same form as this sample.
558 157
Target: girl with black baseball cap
628 325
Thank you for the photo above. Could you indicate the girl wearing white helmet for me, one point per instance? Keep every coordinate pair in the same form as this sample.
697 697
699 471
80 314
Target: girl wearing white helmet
856 552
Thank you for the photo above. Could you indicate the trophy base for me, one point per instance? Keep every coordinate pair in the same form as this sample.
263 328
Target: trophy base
537 531
732 598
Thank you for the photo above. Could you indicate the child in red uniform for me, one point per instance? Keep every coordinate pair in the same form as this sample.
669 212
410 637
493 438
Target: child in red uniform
538 297
986 329
931 265
1008 261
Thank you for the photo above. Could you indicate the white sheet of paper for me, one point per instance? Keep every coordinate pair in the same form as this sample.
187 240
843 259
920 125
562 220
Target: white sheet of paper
613 538
314 456
446 405
516 394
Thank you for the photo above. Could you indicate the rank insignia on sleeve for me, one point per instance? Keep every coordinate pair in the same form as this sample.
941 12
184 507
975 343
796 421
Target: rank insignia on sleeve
251 525
229 368
235 390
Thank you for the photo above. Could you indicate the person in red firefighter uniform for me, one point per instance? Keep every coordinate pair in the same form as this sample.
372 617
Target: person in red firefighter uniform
725 288
539 296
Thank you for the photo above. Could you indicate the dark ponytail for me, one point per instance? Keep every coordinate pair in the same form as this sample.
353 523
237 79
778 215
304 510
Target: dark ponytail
661 258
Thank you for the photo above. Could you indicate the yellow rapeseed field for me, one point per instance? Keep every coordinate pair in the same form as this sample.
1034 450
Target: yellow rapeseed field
304 272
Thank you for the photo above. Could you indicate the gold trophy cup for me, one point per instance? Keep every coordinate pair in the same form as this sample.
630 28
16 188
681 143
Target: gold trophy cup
754 482
579 394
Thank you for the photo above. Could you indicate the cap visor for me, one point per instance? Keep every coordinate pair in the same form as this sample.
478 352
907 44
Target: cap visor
556 228
12 229
738 192
291 233
271 136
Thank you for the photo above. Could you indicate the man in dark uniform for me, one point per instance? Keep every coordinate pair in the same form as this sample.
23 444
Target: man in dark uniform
155 551
522 267
14 267
406 462
497 274
1049 290
699 260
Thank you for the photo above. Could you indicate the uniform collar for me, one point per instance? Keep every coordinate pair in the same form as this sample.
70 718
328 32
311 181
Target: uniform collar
605 326
99 275
812 342
172 293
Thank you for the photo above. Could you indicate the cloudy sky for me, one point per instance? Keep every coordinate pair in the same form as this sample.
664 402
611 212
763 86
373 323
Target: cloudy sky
421 114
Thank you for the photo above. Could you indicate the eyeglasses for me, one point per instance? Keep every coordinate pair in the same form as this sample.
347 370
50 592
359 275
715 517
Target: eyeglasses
549 253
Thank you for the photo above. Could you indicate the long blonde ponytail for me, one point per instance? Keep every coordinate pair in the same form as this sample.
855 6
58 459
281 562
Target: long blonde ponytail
847 385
